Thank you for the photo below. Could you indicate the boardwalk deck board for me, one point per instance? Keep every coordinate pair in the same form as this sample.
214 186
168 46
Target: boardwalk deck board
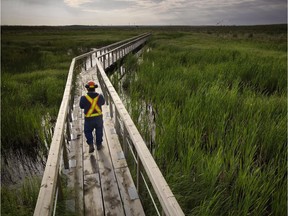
132 204
92 184
75 172
110 191
111 197
78 136
103 184
115 178
130 198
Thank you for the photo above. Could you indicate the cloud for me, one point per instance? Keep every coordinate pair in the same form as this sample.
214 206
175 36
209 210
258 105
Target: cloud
29 2
76 3
145 12
110 5
189 12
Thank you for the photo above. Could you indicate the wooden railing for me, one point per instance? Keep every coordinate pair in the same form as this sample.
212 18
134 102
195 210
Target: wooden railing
101 59
133 141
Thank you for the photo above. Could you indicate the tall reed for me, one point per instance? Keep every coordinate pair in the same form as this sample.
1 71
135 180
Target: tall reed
221 121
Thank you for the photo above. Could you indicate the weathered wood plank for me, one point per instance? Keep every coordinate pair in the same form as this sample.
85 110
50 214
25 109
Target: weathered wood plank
79 178
75 172
164 194
130 198
93 196
111 196
116 152
47 192
44 205
92 183
78 142
131 202
92 188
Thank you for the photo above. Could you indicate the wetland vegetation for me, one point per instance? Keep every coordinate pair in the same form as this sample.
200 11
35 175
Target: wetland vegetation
219 99
218 94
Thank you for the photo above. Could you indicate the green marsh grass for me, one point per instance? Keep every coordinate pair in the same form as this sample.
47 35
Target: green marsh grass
219 94
20 200
220 104
34 65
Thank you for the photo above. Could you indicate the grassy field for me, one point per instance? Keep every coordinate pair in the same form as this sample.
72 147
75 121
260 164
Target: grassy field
219 94
35 62
34 65
220 102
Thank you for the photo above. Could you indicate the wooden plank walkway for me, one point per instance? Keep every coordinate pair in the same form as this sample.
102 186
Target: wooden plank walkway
101 180
99 183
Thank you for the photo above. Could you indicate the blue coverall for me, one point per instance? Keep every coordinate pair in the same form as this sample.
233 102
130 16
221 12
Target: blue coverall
95 122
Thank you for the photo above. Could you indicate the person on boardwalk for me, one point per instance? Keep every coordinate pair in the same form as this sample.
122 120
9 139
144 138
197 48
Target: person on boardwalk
91 103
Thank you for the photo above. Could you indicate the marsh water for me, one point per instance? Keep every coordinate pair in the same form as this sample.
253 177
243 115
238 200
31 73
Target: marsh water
146 112
26 161
17 164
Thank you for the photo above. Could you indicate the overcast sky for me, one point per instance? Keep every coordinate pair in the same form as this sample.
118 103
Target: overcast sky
143 12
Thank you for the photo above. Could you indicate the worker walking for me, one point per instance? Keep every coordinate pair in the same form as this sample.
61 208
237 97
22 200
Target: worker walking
91 103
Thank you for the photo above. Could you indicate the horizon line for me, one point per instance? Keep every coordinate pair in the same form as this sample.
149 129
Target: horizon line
129 25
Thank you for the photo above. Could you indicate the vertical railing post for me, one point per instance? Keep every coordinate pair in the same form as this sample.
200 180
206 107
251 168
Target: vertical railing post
104 90
104 59
117 123
59 186
91 60
101 54
59 193
125 143
110 58
138 174
68 131
111 106
69 110
97 73
65 154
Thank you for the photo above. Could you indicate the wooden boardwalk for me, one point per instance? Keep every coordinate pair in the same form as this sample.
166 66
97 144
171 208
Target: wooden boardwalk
100 183
108 188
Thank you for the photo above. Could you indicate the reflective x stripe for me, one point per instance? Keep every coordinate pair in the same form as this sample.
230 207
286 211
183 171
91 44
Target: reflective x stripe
93 107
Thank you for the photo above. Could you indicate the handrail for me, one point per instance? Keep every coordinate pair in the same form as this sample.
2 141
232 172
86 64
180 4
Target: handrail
44 205
109 46
50 181
167 200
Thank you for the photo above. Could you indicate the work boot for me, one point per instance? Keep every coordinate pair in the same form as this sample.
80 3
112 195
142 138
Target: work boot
99 147
91 148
